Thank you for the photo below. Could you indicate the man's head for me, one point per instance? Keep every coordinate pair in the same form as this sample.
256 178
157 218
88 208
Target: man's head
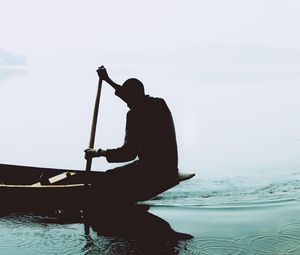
131 92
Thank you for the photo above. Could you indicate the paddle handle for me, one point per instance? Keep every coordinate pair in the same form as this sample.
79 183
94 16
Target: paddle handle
94 125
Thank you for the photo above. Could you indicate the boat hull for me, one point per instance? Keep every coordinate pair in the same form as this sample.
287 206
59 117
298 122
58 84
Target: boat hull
21 188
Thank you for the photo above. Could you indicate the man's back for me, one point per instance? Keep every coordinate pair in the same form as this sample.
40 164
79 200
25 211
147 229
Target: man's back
150 135
155 134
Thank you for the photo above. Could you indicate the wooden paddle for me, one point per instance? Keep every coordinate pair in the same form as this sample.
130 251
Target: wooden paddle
94 125
65 175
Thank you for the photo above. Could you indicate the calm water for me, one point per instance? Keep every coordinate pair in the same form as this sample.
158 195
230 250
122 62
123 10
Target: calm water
238 129
221 216
237 191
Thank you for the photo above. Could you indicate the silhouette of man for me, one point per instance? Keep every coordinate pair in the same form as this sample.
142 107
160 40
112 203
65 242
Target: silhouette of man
150 136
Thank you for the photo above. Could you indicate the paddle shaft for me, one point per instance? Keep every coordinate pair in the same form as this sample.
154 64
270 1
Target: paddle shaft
94 125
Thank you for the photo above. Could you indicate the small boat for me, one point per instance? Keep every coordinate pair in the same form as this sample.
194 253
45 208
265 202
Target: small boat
26 188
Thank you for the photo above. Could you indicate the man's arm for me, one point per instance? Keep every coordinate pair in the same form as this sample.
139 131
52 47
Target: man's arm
128 151
122 154
102 73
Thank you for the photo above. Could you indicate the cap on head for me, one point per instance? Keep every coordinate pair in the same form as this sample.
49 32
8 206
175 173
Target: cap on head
131 91
134 87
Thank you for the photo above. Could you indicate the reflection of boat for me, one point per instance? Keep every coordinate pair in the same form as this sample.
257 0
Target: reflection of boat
32 187
115 229
127 230
132 222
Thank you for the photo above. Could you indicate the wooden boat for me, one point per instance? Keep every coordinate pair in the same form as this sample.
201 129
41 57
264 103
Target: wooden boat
23 187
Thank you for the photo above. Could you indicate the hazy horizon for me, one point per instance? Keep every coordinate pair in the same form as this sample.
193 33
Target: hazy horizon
114 31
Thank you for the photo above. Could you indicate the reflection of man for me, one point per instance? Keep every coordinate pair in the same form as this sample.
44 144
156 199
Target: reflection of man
150 135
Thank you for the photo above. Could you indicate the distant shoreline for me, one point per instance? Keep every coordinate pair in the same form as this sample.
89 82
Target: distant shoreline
8 58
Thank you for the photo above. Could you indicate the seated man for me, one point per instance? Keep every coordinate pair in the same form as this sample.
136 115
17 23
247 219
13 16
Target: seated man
150 135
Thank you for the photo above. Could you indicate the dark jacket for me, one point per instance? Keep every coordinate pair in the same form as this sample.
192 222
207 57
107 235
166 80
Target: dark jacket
150 135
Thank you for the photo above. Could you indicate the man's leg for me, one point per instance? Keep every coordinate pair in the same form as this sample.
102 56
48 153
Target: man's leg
122 183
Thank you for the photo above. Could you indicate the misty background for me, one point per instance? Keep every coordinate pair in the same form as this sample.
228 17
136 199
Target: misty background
229 71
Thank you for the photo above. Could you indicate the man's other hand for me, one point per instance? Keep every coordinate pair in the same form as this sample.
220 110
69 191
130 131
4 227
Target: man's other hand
90 153
102 73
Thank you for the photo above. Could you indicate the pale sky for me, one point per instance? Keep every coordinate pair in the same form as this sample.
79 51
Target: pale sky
228 69
121 30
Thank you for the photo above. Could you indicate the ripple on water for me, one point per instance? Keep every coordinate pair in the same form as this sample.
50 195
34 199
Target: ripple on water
219 246
236 190
285 241
271 244
27 231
